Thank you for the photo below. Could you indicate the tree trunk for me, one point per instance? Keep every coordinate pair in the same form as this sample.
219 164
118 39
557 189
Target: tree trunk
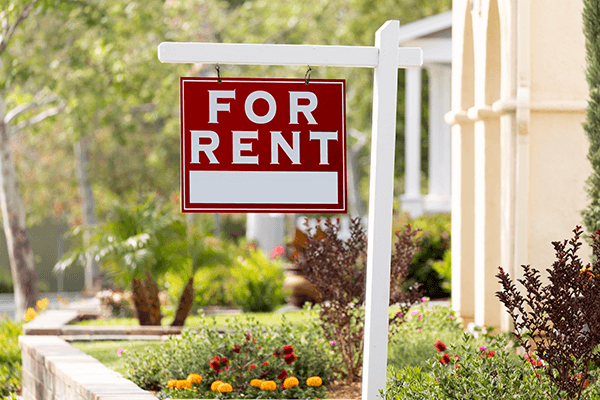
15 227
146 301
140 302
185 303
153 299
92 269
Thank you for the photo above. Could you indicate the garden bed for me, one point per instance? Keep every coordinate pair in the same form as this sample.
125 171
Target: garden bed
53 368
425 324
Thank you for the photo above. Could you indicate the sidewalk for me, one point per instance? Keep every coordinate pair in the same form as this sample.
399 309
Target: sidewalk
72 301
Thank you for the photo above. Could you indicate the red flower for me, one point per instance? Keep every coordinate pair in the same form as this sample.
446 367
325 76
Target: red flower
277 251
277 352
439 346
282 375
266 364
290 358
251 367
237 348
288 350
445 359
491 353
215 363
535 363
224 361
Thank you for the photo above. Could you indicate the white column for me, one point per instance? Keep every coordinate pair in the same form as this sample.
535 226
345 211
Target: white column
267 229
412 200
438 199
487 221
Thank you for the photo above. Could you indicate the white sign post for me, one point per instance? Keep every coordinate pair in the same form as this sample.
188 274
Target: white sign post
385 57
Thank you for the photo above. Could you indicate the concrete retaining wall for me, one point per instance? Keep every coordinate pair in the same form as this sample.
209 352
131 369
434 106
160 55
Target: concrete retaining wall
55 370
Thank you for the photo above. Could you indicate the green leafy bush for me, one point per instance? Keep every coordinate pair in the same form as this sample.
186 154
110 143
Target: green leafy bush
6 286
10 356
444 269
435 242
474 372
243 352
259 282
245 278
233 227
411 343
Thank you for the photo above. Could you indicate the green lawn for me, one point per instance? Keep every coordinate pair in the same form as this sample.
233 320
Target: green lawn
106 351
270 319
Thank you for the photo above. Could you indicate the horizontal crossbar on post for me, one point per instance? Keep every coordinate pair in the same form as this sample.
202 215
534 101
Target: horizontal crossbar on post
280 54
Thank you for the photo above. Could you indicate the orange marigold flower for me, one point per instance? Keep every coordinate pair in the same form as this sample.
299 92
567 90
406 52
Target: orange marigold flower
268 385
183 384
225 388
256 383
194 378
215 385
491 353
290 382
42 304
314 381
30 314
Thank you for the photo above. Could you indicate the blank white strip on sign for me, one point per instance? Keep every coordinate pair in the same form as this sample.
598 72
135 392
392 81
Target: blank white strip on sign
263 187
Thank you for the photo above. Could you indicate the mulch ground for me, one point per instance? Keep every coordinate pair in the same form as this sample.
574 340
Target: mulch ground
344 390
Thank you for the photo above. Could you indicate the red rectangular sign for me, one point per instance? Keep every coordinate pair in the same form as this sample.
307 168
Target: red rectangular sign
263 145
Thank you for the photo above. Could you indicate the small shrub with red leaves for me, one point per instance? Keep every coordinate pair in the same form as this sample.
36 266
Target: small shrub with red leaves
337 268
561 320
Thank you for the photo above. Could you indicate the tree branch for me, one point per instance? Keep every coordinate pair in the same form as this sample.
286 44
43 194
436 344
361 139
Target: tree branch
11 29
23 108
361 140
38 118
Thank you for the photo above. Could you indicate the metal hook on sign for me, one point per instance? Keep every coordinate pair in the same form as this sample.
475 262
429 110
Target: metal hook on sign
307 75
218 72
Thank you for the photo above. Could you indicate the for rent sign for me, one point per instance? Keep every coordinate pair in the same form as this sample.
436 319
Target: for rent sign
263 145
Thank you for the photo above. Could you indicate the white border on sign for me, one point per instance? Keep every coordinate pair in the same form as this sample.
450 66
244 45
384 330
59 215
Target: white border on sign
285 205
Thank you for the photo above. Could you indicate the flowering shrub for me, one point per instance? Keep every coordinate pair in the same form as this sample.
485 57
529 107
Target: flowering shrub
10 356
474 372
250 360
411 343
10 353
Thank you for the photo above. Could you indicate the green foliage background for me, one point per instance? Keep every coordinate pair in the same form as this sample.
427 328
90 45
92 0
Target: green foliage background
100 57
591 29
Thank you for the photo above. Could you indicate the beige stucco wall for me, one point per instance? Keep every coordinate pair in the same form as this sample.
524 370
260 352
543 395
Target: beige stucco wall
558 144
558 170
557 50
530 91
